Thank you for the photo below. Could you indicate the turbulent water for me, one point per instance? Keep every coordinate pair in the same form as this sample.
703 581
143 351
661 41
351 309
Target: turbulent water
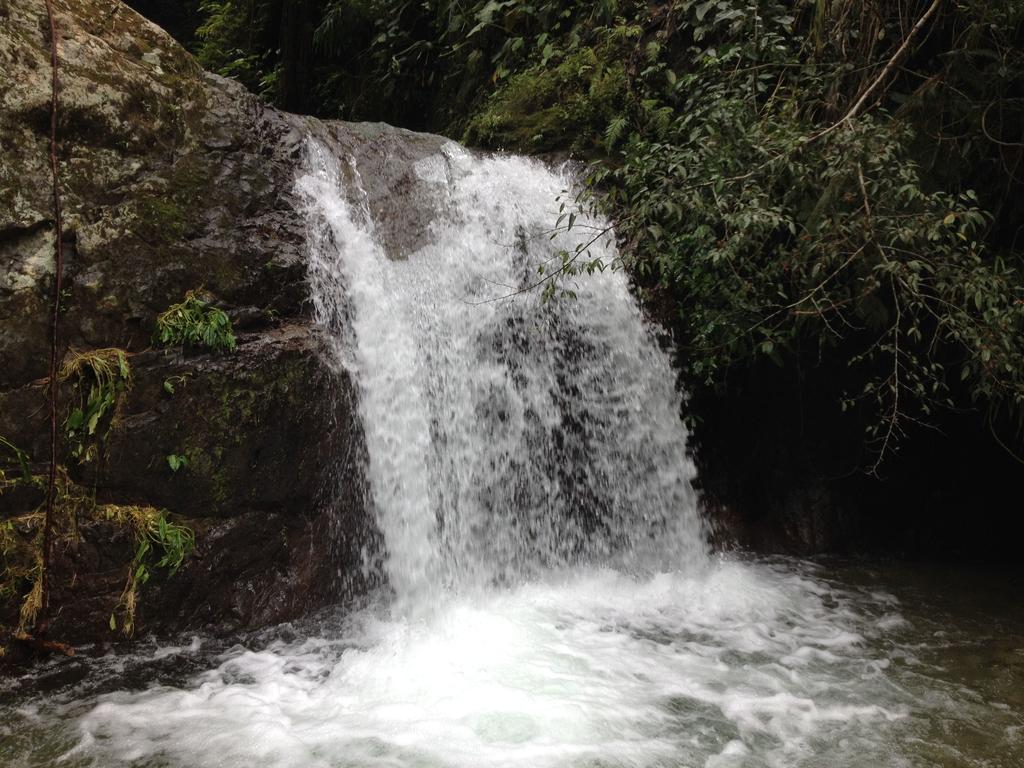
506 435
550 599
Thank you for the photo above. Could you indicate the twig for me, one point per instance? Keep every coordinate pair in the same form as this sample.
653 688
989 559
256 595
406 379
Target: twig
550 276
709 182
894 417
989 136
1004 446
864 192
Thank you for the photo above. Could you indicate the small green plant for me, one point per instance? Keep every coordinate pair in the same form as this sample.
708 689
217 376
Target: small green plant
176 462
21 457
158 544
11 545
171 382
195 322
13 558
102 377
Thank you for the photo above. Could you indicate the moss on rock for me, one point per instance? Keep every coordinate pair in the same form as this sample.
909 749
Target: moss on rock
563 107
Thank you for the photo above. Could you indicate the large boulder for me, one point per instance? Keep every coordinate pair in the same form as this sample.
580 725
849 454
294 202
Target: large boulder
174 180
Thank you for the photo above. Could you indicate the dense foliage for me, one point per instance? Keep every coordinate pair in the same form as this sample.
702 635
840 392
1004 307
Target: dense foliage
794 179
787 221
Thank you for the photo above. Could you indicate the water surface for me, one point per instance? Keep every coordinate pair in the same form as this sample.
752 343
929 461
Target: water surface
749 663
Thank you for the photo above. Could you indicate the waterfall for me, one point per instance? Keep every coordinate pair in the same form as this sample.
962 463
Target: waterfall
506 433
552 604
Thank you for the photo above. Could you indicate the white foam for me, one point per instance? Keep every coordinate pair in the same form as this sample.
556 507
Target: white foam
584 665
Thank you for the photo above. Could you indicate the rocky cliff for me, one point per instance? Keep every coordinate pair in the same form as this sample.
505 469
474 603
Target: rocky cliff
174 180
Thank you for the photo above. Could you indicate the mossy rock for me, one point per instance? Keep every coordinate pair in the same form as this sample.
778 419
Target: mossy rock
173 179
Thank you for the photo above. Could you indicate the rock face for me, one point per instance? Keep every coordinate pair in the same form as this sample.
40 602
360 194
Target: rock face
175 180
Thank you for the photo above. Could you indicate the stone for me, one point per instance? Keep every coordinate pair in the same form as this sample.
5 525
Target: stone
172 180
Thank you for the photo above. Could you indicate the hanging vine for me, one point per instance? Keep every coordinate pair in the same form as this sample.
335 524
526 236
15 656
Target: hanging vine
42 622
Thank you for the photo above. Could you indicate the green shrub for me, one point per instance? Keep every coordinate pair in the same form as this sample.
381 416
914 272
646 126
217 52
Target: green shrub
195 322
230 42
21 457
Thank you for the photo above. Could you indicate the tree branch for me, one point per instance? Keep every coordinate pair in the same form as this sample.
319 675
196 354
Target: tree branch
855 110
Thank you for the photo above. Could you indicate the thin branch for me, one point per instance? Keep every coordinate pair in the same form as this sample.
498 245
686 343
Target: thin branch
551 276
1004 446
884 74
864 192
895 415
989 136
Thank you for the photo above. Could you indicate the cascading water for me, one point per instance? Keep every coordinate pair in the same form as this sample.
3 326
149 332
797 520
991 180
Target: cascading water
505 434
550 600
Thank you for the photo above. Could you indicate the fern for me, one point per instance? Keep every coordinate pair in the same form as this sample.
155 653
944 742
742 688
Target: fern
616 128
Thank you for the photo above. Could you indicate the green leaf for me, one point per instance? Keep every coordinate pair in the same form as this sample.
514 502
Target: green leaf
703 9
75 420
94 420
20 455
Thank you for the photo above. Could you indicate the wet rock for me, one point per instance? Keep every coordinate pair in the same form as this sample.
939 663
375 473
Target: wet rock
172 180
